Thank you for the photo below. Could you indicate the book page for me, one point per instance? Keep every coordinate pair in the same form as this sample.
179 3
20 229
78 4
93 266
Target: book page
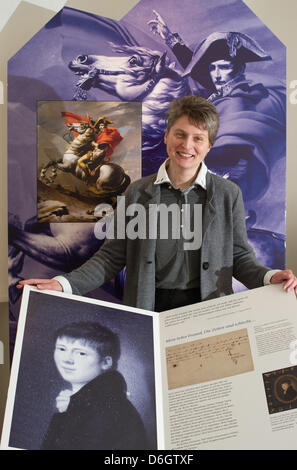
228 377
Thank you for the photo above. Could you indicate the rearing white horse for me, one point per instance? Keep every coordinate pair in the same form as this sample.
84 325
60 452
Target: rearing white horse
135 74
110 177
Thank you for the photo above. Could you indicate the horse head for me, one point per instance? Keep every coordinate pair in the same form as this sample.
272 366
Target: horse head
129 75
79 127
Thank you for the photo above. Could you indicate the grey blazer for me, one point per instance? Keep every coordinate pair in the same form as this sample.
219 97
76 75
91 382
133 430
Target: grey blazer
225 251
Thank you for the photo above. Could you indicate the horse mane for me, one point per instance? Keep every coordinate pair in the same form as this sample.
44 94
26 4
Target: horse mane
123 49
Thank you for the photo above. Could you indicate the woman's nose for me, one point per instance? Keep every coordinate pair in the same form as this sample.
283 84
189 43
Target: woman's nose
187 143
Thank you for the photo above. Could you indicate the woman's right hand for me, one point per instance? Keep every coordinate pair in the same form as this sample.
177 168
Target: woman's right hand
41 284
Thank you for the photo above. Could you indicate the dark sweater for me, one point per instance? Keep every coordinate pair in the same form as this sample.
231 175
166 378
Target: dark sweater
99 416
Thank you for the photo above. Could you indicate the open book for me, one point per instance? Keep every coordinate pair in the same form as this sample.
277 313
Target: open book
221 374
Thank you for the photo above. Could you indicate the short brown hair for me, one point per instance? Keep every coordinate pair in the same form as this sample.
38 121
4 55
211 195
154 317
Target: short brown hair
199 112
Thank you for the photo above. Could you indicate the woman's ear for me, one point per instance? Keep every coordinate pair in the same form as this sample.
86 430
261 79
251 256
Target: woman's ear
165 137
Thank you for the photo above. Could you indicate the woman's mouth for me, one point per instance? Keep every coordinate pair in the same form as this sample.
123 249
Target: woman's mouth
184 155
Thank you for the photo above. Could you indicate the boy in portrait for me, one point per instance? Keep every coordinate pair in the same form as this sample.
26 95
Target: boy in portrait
93 412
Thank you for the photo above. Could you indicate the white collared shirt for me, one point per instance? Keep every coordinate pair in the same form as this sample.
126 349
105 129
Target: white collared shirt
162 175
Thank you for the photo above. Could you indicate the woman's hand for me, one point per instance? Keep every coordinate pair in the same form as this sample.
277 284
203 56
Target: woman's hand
288 278
41 284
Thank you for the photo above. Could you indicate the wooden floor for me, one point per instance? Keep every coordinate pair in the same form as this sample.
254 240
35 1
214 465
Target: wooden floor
4 367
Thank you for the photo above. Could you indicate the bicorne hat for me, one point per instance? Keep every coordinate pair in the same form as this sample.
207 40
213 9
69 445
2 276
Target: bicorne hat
223 46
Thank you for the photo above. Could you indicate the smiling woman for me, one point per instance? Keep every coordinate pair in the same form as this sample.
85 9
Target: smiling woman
187 146
190 134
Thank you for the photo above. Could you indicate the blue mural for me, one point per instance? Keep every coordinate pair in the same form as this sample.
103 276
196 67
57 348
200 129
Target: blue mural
159 51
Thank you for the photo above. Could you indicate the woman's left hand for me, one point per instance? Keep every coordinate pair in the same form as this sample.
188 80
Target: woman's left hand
288 278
